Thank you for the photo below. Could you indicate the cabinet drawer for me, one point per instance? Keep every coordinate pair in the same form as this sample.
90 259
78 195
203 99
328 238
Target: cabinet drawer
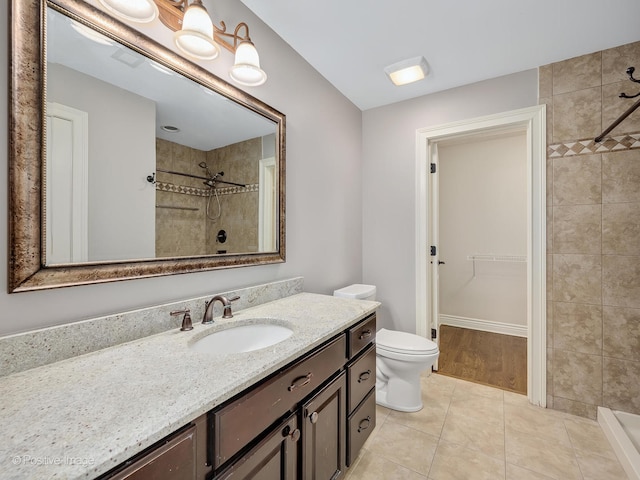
361 335
174 459
361 376
361 424
239 422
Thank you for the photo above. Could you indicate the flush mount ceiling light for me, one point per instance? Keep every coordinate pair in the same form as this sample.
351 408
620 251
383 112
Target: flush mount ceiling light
196 35
407 71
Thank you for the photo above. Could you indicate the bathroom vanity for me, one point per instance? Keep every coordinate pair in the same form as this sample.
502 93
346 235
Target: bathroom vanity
158 408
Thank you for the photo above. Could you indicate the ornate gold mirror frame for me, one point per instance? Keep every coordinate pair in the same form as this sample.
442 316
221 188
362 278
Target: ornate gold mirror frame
27 141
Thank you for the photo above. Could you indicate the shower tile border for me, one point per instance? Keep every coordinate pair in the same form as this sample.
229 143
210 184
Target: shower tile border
630 141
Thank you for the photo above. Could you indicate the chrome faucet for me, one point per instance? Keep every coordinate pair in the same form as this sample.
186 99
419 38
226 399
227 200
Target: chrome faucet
226 303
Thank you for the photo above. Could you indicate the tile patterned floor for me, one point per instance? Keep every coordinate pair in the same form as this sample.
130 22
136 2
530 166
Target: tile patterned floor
468 431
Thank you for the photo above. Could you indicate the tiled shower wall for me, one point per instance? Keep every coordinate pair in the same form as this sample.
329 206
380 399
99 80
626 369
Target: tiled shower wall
593 233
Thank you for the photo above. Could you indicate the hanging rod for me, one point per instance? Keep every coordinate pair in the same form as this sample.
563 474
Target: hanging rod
199 177
628 112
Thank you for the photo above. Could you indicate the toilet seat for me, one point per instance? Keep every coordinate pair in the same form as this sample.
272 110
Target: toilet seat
404 343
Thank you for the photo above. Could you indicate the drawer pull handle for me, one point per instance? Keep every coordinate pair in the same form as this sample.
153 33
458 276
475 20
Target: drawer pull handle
300 381
364 424
365 334
364 376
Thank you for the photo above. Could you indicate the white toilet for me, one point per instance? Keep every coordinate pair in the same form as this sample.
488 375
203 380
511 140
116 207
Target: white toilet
400 359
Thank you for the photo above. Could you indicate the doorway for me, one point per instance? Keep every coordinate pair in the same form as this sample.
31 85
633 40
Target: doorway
531 123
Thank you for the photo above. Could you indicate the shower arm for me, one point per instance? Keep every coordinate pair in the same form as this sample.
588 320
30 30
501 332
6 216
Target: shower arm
209 179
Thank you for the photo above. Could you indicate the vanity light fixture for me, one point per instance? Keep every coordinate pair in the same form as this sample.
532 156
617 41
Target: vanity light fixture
407 71
196 35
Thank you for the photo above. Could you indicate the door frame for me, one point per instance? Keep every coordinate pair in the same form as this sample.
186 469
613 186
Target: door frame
533 121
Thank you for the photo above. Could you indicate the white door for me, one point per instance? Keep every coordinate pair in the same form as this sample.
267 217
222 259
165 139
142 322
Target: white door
434 248
66 185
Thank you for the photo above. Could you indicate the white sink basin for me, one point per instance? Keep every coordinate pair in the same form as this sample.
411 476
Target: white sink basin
243 338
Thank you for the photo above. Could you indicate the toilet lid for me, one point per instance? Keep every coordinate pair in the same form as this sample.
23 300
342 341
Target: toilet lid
403 342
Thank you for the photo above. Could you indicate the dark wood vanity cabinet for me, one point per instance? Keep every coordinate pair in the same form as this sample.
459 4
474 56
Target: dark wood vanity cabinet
308 421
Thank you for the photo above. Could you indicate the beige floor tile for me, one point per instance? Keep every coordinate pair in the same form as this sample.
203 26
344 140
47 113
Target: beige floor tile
374 467
405 446
595 467
587 437
541 455
512 398
481 407
518 473
546 425
455 462
428 420
464 388
479 435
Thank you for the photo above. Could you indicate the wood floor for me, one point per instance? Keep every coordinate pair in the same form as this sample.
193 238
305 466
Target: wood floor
483 357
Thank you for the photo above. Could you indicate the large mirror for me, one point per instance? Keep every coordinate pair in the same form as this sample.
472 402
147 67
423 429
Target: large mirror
129 161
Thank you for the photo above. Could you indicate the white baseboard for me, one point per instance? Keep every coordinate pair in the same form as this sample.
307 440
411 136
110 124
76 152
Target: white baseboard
484 325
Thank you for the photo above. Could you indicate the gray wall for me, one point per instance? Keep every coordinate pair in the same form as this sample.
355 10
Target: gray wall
324 194
389 146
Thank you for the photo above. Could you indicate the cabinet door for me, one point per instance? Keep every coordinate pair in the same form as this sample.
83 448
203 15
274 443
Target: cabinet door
323 432
274 458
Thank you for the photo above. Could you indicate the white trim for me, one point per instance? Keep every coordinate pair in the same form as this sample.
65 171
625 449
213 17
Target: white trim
267 205
533 121
483 325
620 442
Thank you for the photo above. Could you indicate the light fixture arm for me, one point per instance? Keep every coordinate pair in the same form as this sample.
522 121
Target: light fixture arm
171 13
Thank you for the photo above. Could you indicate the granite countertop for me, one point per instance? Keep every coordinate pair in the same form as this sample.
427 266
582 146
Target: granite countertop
80 417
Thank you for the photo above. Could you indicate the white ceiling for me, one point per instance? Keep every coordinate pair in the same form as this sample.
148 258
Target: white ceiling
464 41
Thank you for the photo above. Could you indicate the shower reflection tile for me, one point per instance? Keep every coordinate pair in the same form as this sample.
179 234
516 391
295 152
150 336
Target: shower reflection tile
621 229
613 106
577 114
577 278
622 385
549 370
597 467
621 281
577 229
577 73
577 180
577 376
615 62
621 176
577 327
457 462
550 228
621 333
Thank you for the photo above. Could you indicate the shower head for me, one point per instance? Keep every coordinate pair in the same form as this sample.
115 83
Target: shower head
206 169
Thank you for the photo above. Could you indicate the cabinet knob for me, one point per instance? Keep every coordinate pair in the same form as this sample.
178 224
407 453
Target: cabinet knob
313 417
300 381
364 376
295 434
364 424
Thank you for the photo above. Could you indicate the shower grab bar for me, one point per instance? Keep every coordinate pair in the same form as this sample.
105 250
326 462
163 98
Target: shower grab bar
628 112
172 207
199 177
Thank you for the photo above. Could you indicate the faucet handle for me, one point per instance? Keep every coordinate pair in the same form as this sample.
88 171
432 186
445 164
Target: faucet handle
186 320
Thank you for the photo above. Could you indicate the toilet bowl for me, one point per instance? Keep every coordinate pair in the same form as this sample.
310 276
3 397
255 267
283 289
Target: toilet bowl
400 359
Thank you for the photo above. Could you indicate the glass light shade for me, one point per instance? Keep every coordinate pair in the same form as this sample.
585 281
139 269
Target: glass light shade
196 37
407 71
246 70
141 11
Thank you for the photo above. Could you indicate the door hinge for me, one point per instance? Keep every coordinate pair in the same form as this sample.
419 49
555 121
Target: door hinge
434 333
433 168
433 250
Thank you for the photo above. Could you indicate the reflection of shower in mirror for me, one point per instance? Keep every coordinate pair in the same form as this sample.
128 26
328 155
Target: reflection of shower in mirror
211 183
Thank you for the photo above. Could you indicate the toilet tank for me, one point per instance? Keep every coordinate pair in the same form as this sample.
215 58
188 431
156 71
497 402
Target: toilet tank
357 290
